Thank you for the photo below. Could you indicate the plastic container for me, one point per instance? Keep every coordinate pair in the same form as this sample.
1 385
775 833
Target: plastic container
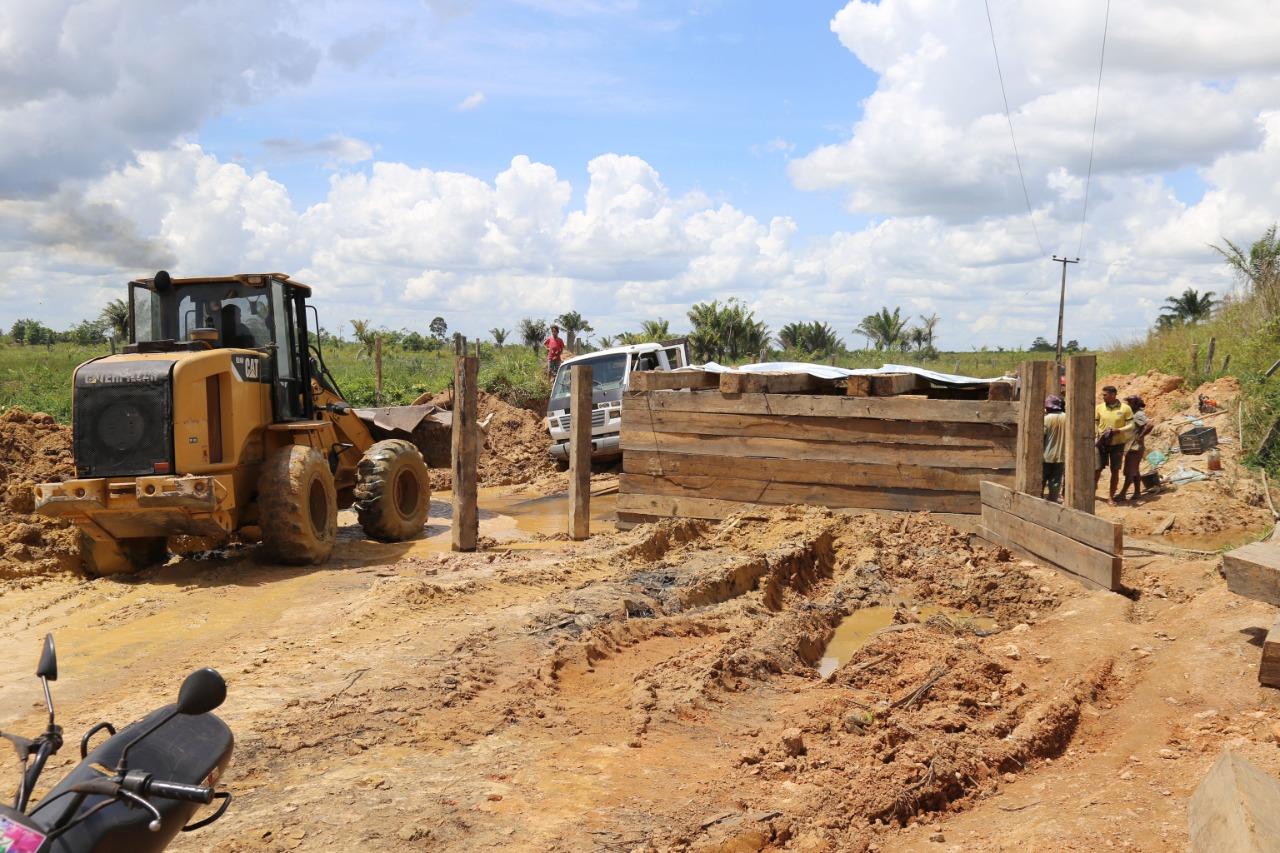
1214 459
1198 440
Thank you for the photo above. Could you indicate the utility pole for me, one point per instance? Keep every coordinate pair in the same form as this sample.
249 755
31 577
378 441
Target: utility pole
1062 301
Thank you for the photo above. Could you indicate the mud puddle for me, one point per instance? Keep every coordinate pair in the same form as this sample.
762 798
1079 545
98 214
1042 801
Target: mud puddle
861 626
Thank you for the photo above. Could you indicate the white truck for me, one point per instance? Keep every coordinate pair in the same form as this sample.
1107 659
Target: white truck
611 370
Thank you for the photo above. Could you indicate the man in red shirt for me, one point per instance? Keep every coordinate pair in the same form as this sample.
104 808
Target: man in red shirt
555 347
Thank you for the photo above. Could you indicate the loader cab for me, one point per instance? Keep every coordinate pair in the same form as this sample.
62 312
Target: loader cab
262 318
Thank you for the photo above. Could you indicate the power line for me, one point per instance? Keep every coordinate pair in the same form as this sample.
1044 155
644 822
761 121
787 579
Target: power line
1092 136
1016 158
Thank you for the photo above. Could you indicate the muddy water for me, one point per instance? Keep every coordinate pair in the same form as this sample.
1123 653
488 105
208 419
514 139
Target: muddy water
859 627
515 522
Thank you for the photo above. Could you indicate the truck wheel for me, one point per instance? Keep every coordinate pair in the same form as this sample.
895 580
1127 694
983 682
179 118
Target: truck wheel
298 506
393 491
121 556
562 465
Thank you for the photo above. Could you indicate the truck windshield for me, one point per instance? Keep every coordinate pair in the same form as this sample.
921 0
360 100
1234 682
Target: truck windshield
607 373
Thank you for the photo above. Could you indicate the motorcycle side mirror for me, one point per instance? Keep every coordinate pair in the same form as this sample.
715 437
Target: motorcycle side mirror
48 666
202 691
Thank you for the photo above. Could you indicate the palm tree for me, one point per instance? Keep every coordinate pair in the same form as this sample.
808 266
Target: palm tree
1260 268
533 332
366 335
1190 307
726 333
655 330
928 325
882 329
814 338
499 336
572 323
605 341
116 316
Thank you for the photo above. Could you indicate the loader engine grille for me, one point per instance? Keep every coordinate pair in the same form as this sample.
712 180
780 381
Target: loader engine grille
122 418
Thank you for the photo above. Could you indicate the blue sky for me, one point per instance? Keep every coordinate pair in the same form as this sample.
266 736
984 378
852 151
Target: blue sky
715 98
494 160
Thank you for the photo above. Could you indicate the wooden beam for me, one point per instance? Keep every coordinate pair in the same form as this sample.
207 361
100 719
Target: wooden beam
857 386
991 458
893 384
1269 669
1000 391
808 472
813 405
765 492
1030 458
465 526
670 506
1254 571
1094 568
672 380
637 415
1107 536
580 451
774 383
1235 809
1082 459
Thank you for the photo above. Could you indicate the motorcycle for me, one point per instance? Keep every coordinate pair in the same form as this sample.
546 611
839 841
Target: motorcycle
135 791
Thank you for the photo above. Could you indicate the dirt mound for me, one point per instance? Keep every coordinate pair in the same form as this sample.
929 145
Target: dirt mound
515 443
33 449
1226 508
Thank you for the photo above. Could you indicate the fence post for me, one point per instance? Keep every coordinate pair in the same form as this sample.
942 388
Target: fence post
377 367
466 521
1030 464
580 452
1082 456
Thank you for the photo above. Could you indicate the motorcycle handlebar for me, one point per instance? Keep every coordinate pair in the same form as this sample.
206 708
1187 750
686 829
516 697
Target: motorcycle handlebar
179 791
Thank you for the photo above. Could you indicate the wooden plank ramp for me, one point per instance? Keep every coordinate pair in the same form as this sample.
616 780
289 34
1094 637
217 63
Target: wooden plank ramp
1082 545
1254 571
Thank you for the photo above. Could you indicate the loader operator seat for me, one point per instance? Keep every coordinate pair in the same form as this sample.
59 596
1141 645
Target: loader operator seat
237 333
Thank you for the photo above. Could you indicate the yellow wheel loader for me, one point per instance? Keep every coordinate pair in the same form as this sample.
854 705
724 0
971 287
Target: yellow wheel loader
219 419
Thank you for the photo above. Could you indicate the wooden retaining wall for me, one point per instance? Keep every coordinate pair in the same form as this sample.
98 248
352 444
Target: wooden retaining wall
698 447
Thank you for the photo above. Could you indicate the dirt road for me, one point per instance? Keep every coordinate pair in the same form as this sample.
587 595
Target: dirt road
660 689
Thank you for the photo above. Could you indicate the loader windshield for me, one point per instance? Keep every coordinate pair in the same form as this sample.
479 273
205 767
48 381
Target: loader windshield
241 315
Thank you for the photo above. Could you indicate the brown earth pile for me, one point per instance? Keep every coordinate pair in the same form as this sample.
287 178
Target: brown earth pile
1227 509
33 449
515 448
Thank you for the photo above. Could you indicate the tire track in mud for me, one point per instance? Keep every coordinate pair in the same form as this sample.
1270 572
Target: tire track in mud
631 689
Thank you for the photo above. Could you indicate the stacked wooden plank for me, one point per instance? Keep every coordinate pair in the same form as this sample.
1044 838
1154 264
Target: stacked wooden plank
1081 544
1254 572
793 438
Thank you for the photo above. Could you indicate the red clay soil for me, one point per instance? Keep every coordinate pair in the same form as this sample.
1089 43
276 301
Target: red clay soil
1227 509
33 449
516 443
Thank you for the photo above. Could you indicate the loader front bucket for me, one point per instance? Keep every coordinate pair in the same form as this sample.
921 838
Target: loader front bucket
427 427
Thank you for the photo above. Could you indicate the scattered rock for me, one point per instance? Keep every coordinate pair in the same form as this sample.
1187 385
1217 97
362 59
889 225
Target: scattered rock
793 742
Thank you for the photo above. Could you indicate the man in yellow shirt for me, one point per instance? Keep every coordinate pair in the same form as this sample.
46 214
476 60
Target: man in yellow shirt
1113 425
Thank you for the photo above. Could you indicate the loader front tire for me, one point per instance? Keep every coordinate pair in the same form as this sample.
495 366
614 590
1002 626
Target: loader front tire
120 556
298 507
393 491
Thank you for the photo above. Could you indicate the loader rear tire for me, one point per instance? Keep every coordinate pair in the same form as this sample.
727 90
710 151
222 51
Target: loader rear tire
393 491
121 556
298 507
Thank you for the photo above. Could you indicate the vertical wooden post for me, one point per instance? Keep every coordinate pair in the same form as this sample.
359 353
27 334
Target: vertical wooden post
377 367
1208 358
1030 461
1082 457
466 521
580 451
